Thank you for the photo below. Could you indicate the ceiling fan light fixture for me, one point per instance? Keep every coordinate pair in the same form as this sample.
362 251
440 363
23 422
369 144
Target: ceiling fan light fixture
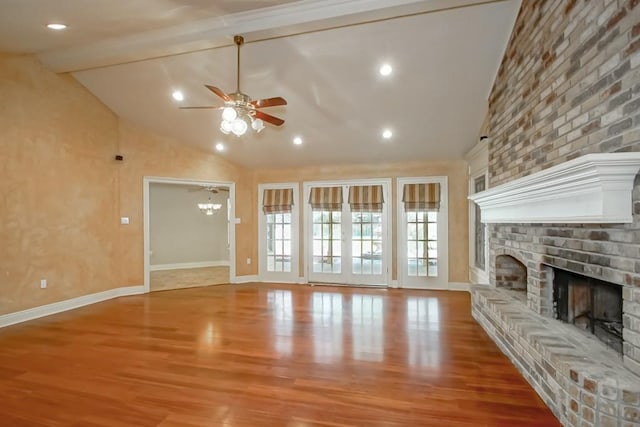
257 125
225 127
239 127
240 110
229 114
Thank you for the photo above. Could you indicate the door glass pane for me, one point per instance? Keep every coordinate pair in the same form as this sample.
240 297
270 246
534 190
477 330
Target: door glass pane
279 242
366 255
327 238
422 244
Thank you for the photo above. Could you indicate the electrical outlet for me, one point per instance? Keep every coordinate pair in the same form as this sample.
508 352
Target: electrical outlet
248 260
43 284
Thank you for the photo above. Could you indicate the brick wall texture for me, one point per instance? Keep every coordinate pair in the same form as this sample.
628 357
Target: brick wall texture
569 85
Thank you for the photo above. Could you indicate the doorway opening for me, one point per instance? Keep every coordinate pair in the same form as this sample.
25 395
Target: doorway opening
189 240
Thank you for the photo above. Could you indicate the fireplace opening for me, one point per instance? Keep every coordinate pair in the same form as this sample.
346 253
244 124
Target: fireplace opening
590 304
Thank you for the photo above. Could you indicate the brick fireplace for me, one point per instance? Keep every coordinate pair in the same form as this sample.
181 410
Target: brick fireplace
592 305
564 297
568 88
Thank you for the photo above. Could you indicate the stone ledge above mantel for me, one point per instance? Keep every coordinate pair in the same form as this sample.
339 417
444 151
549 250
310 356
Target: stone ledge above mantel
595 188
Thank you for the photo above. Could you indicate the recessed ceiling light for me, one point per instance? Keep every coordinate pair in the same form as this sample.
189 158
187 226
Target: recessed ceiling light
178 95
57 27
386 69
297 140
220 146
386 134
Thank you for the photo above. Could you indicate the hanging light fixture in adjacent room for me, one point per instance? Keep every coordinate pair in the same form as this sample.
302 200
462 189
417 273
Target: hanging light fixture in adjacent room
209 208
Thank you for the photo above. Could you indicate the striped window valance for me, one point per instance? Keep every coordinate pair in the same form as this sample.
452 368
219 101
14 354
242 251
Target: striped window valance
326 198
277 200
421 197
366 198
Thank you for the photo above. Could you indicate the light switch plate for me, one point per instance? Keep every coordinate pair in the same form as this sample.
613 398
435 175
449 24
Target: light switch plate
124 220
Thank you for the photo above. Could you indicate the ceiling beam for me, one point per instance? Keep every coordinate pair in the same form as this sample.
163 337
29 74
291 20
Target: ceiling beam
260 24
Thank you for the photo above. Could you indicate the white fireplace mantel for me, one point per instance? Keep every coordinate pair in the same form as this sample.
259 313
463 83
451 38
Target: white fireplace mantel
594 188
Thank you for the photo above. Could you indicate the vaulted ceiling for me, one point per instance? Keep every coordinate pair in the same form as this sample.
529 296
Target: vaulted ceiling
323 56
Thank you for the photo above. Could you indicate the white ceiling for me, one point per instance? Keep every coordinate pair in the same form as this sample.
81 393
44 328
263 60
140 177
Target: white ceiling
321 55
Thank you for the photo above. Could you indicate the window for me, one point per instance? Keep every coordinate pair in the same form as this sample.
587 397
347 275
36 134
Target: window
422 244
278 232
479 227
366 242
279 242
423 233
327 241
348 236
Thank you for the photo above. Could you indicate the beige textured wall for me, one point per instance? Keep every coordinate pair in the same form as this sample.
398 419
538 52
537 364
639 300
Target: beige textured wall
58 188
61 192
456 171
147 154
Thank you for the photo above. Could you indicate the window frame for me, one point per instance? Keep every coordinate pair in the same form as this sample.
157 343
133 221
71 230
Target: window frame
442 280
476 274
279 276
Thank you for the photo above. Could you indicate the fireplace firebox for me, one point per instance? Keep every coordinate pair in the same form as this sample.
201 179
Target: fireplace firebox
590 304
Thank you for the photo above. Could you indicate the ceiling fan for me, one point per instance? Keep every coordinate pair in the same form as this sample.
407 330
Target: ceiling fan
239 111
210 188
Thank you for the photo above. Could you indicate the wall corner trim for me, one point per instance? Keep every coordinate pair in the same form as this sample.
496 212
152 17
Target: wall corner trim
66 305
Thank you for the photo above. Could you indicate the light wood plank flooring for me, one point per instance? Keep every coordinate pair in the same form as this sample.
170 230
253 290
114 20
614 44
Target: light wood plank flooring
263 355
163 280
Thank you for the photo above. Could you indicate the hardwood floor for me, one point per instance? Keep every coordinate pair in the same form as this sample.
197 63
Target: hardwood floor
262 355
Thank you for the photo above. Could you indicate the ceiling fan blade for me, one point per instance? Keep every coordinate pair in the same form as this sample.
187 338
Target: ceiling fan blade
269 102
220 93
212 190
269 118
201 108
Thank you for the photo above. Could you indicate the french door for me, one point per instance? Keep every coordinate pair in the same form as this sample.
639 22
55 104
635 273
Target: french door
423 235
348 242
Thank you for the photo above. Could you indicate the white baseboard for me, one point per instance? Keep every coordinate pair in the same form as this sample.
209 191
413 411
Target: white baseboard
284 280
245 279
185 265
70 304
459 286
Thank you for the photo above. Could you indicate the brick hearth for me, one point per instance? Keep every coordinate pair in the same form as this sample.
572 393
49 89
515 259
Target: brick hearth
575 374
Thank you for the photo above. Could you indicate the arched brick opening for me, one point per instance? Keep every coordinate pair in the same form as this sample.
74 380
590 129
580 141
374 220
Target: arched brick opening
510 273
